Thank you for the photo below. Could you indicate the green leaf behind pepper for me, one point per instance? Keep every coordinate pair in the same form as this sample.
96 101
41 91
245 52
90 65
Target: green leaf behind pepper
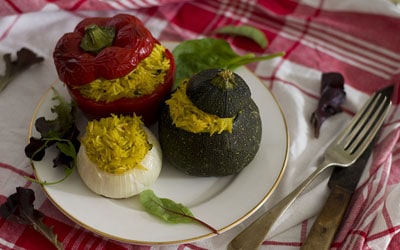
246 31
193 56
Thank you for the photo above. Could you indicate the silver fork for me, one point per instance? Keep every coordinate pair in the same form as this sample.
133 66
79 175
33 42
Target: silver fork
343 152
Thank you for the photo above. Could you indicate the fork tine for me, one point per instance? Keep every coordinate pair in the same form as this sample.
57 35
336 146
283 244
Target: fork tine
366 116
370 126
365 124
355 121
359 122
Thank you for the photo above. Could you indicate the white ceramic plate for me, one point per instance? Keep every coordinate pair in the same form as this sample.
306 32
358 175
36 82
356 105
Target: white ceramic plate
221 202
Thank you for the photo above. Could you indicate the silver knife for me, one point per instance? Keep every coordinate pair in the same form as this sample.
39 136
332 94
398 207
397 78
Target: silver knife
342 183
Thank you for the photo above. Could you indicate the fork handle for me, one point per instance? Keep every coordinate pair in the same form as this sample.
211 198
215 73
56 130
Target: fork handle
252 236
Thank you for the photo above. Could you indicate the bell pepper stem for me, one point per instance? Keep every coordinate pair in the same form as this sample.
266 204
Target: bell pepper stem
97 38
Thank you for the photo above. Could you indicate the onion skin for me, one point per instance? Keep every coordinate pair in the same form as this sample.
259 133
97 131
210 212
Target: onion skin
123 185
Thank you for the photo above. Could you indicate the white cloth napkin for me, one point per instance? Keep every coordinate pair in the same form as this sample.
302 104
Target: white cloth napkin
356 38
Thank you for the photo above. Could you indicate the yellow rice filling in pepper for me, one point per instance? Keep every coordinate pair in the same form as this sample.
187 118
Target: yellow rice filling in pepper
143 80
187 116
116 144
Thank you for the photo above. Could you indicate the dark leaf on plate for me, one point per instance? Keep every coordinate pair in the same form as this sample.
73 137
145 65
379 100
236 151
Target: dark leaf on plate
35 149
64 121
332 96
68 151
62 132
62 127
19 208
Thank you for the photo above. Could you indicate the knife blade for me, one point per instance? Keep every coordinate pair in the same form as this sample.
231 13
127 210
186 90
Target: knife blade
343 182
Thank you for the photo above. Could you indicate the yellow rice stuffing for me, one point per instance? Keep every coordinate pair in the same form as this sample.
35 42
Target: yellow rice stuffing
116 144
187 116
143 80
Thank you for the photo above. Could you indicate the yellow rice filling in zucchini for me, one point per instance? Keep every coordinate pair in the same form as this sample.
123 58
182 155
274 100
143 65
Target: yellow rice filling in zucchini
116 144
143 80
188 117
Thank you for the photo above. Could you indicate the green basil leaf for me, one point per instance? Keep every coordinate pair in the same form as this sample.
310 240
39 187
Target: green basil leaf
66 147
246 31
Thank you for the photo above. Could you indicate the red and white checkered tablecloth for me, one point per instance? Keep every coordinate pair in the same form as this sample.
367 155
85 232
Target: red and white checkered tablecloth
360 39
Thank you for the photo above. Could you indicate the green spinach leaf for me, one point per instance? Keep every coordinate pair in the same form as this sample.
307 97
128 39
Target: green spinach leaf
246 31
169 210
193 56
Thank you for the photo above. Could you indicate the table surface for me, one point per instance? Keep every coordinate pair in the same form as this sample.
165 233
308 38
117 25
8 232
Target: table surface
356 38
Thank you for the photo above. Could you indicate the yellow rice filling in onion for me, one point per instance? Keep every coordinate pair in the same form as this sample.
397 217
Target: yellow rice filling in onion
116 144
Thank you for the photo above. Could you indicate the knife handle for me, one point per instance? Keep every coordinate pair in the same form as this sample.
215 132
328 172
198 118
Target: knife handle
326 225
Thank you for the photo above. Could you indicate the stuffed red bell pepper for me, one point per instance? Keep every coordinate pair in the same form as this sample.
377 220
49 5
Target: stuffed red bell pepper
115 66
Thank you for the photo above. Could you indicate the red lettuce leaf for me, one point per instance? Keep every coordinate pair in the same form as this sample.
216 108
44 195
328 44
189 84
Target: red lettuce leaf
332 96
19 208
